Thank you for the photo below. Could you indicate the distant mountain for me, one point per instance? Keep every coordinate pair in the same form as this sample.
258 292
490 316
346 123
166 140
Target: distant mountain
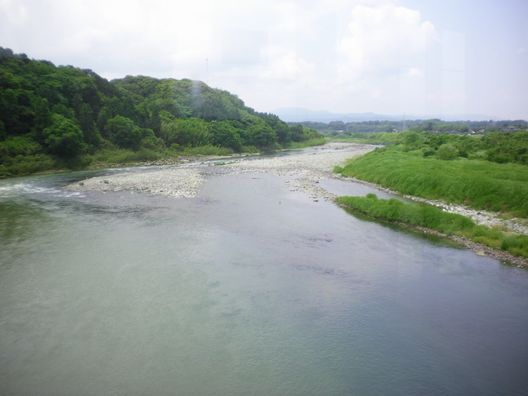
299 114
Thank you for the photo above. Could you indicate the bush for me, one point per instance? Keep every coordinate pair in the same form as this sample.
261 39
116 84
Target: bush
447 151
26 164
18 145
207 150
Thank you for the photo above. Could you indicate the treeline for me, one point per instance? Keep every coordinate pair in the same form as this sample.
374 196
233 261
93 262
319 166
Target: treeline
55 116
339 128
500 147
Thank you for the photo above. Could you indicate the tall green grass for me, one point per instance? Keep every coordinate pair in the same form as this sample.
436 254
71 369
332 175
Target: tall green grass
427 216
475 183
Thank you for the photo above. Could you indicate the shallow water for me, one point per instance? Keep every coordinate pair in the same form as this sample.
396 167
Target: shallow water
249 288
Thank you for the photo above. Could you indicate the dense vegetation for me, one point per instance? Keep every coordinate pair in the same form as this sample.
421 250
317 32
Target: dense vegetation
422 215
452 168
64 116
501 147
340 128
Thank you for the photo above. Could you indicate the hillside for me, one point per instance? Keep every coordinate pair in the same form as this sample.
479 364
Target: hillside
62 116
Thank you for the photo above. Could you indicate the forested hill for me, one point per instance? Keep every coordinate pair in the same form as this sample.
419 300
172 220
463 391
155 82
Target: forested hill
53 116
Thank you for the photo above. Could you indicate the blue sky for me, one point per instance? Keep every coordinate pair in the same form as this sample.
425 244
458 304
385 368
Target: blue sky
386 56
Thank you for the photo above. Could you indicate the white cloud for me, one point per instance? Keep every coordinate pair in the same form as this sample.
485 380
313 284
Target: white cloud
381 40
343 55
281 64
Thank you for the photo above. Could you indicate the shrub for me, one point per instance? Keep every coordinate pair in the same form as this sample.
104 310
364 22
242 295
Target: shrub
18 145
447 151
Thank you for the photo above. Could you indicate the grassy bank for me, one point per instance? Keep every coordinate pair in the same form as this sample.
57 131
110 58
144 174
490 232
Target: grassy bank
21 165
421 215
475 183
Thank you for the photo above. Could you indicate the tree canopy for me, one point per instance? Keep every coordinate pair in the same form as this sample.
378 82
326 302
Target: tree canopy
64 111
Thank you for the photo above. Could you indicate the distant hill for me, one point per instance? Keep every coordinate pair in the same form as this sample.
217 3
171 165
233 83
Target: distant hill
299 114
51 115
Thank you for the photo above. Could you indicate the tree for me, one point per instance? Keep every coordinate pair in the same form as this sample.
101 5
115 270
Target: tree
185 132
63 137
225 135
124 132
261 135
297 133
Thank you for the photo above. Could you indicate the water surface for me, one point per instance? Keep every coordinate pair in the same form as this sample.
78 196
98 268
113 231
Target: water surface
248 289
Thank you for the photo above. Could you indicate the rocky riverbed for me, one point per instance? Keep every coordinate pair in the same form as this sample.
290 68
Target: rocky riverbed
302 171
171 182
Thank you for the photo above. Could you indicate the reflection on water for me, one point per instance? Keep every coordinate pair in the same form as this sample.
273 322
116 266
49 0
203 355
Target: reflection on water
18 221
247 289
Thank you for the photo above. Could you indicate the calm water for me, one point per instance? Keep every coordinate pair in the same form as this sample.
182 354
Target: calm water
249 289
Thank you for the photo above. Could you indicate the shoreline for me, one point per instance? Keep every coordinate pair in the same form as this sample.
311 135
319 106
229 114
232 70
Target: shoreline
481 217
478 248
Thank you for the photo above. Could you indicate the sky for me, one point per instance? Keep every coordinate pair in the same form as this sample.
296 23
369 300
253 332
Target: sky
446 58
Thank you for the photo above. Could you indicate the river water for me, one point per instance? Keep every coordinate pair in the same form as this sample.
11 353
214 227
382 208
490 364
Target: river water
248 289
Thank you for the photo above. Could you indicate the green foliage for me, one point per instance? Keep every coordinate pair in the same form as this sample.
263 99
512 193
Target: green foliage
151 141
63 137
343 129
206 150
18 145
479 184
123 132
67 110
500 147
261 135
26 164
427 216
447 151
317 141
372 138
226 135
185 132
507 147
108 156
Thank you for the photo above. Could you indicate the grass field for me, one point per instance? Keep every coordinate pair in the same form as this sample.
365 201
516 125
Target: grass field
421 215
476 183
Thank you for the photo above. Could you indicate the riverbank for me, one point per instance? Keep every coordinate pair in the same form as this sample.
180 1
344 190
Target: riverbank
491 194
509 247
303 172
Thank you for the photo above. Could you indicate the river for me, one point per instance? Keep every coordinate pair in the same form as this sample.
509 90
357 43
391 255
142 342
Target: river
252 287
